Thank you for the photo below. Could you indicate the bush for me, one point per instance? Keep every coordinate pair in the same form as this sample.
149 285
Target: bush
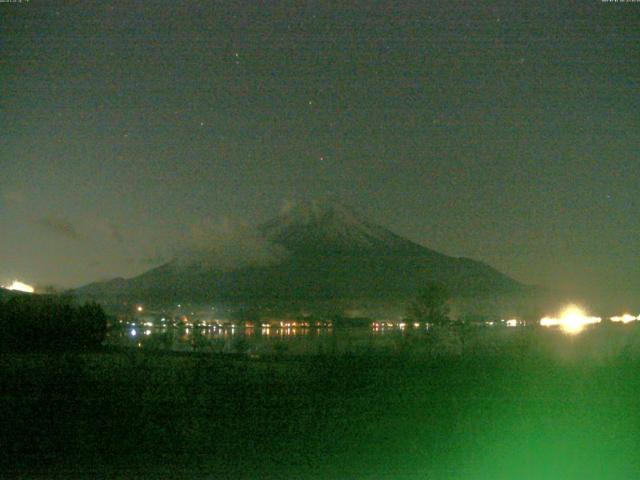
35 323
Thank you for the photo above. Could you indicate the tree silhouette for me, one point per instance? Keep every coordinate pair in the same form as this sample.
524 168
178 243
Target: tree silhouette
32 323
431 306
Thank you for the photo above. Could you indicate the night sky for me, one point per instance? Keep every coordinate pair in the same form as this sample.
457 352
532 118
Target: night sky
509 133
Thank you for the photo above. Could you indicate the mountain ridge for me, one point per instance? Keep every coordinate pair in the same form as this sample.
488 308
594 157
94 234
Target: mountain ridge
330 225
325 251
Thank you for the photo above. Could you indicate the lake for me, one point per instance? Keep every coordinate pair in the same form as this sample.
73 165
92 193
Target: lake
598 342
259 341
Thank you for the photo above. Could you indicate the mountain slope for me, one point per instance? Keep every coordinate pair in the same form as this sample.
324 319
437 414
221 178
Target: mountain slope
330 252
330 227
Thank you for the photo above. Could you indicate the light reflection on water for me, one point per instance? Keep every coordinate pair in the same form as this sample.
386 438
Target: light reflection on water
257 340
597 341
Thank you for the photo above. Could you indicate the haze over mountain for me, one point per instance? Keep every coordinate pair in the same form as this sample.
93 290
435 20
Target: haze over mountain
314 250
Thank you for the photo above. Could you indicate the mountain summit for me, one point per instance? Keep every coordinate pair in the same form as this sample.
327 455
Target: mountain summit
313 226
325 251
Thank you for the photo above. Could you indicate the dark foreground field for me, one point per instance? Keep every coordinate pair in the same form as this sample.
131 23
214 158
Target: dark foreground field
517 413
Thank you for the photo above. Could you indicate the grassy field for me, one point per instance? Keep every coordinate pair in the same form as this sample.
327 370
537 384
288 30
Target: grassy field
541 406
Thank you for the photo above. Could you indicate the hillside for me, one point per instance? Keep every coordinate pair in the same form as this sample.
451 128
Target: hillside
327 251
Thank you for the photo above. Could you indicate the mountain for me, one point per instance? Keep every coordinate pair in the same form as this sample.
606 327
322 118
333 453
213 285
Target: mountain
324 227
314 251
6 294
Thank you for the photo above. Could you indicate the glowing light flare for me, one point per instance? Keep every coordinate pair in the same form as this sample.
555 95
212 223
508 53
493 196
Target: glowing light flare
626 318
550 322
20 287
572 320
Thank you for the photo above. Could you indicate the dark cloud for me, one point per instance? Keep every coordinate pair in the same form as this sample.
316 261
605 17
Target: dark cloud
63 227
13 196
148 261
105 228
226 245
113 232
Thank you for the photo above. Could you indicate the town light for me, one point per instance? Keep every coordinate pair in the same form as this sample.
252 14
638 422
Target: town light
626 318
20 287
572 320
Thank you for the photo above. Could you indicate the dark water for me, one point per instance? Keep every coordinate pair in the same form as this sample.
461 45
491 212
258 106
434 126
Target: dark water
259 341
597 343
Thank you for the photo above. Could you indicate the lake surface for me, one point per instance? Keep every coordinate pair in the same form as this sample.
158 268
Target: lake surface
259 341
596 342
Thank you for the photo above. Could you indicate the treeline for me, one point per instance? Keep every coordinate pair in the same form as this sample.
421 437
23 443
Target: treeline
42 323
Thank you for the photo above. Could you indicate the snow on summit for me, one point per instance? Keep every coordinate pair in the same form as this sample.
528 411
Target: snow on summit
327 224
312 251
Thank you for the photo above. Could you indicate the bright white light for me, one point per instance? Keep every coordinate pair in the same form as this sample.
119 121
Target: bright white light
511 322
139 308
147 332
20 287
572 320
133 332
626 318
550 322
